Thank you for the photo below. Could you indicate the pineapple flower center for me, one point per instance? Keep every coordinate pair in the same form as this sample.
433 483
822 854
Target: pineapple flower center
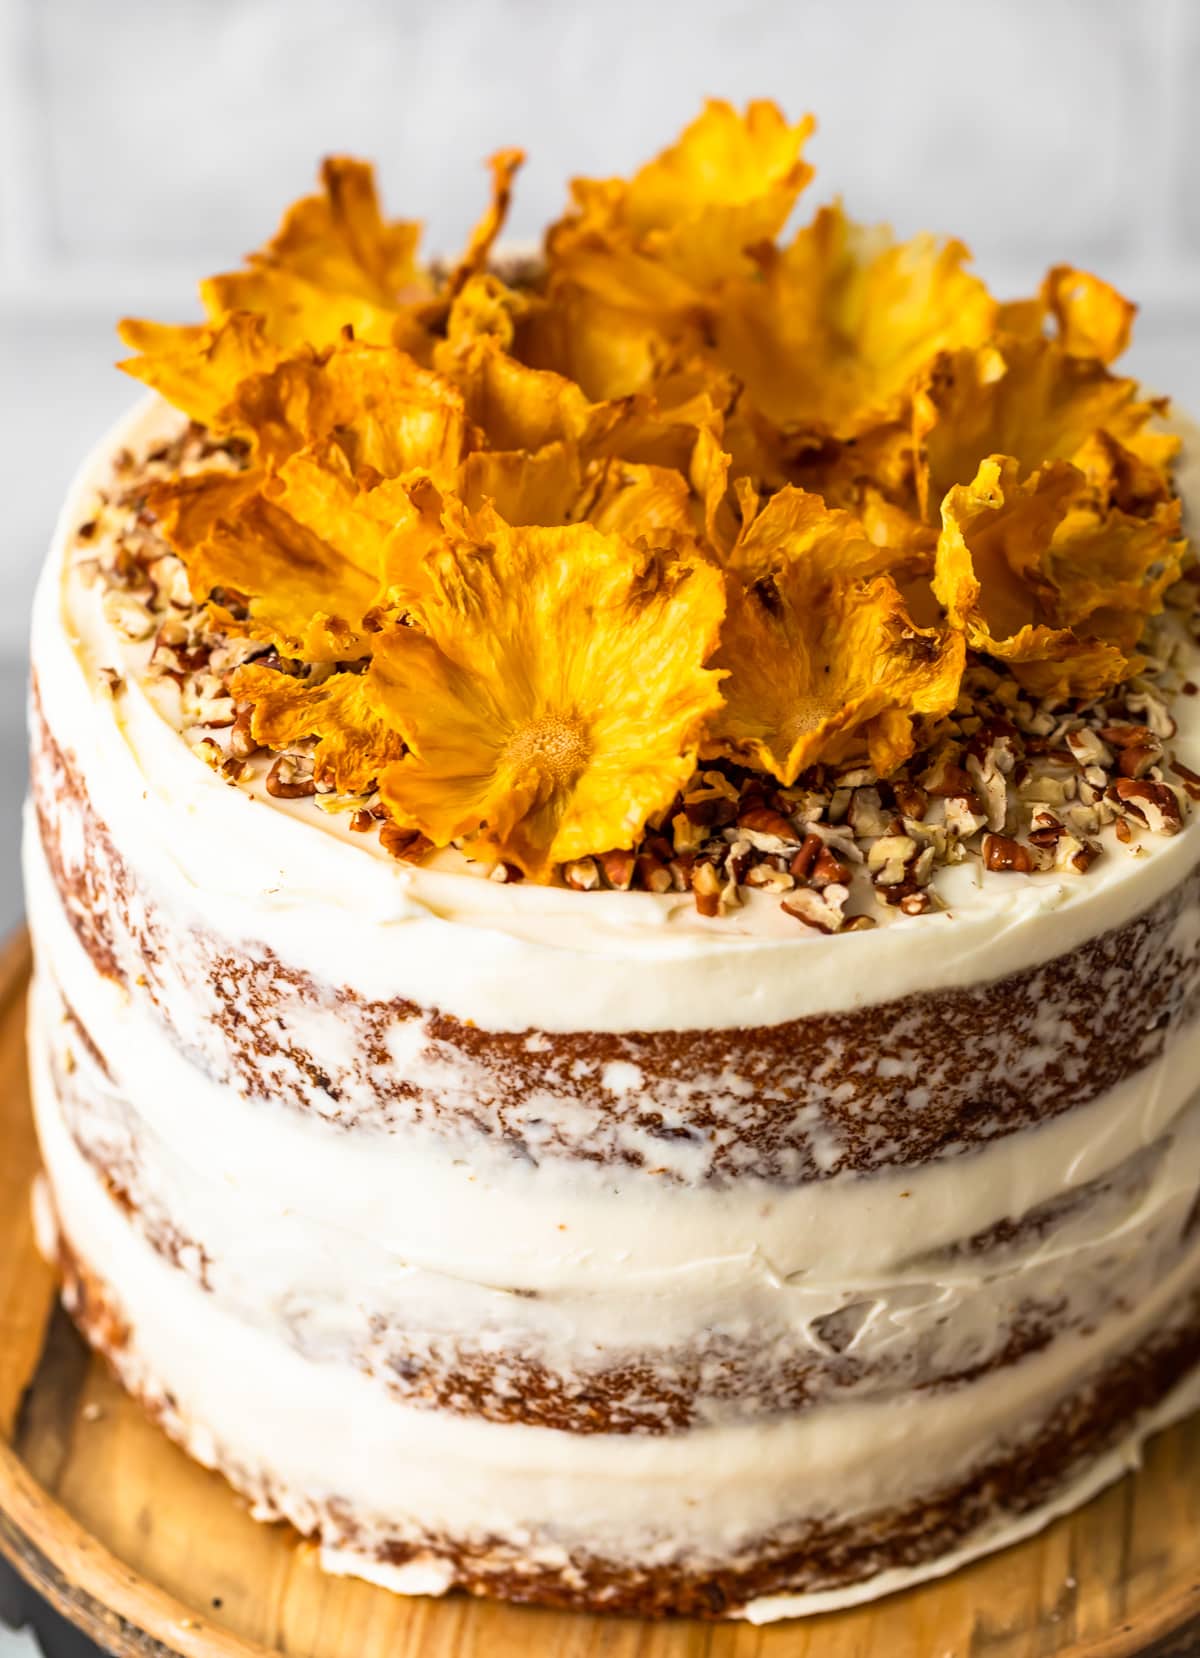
555 745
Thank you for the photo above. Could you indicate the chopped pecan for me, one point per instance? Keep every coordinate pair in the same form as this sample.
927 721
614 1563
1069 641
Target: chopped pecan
286 780
964 817
1154 804
820 910
1002 852
1088 748
1122 733
827 869
241 743
911 799
991 786
706 886
866 815
618 869
1191 780
811 848
411 846
655 875
763 823
889 857
768 879
688 834
916 903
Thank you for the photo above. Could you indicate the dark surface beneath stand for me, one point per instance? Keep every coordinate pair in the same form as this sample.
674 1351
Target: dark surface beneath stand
20 1608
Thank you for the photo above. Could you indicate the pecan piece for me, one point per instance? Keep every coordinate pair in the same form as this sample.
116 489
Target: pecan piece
285 781
409 844
811 848
1154 804
706 887
819 910
889 858
1002 852
656 877
1191 780
618 869
763 825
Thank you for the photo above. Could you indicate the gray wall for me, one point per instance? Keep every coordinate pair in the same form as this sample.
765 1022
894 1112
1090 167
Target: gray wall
146 142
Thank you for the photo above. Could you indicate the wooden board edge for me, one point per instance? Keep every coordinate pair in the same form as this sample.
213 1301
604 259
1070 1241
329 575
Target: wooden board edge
126 1616
131 1618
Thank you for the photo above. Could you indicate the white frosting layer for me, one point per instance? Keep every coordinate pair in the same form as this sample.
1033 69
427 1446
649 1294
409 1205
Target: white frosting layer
323 1430
578 1227
511 957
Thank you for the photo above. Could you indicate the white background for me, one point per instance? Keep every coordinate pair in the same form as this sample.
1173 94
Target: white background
146 142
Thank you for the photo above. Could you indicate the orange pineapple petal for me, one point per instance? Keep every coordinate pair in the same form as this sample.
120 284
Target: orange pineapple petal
352 745
1030 399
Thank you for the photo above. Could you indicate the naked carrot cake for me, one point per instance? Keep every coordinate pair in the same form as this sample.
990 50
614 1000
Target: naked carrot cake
614 871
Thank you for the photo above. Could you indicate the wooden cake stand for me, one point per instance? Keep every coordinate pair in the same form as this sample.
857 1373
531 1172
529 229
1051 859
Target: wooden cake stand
151 1555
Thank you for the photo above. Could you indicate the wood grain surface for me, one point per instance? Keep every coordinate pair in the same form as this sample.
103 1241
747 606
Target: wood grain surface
151 1555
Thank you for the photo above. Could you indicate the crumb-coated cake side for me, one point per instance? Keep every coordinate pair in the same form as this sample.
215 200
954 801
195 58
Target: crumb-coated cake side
735 1167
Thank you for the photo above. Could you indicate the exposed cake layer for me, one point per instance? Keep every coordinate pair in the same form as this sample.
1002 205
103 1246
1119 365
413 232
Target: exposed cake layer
702 1521
486 1285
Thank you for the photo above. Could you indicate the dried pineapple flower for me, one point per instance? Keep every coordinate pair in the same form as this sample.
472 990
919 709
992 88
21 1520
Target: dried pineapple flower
1037 577
551 690
389 412
822 662
265 576
504 166
797 526
491 527
386 412
831 333
632 264
198 367
554 457
308 555
1091 318
685 219
334 263
1035 401
353 745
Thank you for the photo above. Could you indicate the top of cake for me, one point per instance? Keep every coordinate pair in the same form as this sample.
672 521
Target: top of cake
718 568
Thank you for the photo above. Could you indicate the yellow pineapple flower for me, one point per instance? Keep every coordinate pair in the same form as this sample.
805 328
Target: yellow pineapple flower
551 688
822 654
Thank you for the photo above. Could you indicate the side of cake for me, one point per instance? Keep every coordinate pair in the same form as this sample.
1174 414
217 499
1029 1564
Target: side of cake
788 1192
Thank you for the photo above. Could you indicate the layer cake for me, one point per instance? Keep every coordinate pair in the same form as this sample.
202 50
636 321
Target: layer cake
787 1192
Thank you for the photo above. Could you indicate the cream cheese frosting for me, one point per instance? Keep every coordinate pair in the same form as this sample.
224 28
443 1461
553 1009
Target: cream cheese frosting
311 1249
513 956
